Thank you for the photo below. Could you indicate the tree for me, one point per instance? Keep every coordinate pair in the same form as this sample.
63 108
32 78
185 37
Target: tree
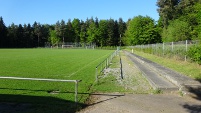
102 32
76 28
141 30
37 31
177 31
110 32
92 32
167 10
12 35
121 28
60 29
20 36
28 36
83 32
53 38
3 33
70 32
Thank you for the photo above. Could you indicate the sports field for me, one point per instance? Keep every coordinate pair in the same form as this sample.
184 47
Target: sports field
68 64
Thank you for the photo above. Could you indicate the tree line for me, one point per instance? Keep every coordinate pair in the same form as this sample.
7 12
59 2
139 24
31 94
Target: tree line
102 32
178 20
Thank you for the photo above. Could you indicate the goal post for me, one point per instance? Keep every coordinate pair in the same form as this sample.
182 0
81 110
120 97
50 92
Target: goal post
66 46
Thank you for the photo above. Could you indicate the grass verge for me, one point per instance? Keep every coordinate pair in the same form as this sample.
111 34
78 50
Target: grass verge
192 70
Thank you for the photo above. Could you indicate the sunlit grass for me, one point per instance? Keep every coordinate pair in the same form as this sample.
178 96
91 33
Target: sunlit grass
69 64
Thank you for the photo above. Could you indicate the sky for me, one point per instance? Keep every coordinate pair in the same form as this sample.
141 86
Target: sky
51 11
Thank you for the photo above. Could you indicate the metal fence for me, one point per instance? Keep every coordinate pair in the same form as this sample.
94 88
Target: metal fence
105 64
169 49
50 80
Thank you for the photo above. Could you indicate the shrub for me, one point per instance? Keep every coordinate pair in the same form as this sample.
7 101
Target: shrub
195 53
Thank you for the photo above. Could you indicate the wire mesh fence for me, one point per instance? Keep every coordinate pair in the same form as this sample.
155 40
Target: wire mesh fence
169 49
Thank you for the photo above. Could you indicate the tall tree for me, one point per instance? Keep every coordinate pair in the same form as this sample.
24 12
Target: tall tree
92 32
167 10
3 33
28 36
110 30
141 30
61 29
20 36
77 28
103 26
37 31
70 31
54 39
83 32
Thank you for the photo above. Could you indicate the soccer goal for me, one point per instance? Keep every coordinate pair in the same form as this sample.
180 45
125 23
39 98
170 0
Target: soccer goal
67 46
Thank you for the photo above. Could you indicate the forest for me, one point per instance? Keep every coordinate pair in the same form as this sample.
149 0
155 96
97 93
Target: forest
179 20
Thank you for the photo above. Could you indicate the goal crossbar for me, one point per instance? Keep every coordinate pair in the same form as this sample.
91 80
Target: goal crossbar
51 80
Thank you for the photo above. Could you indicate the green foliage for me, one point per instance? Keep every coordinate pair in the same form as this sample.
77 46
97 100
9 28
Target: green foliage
76 27
108 84
195 53
53 38
92 32
103 32
176 31
180 19
157 91
141 30
198 9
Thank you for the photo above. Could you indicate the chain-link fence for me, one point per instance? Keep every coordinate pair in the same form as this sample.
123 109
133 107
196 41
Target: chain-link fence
169 49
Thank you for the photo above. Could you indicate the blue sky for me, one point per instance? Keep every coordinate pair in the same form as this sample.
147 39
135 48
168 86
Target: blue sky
50 11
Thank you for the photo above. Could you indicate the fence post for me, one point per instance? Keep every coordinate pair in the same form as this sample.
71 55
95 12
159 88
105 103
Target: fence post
76 89
186 45
106 64
163 48
96 74
186 49
172 46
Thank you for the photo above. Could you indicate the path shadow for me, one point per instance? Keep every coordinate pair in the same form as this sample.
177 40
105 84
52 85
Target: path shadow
195 93
192 108
111 96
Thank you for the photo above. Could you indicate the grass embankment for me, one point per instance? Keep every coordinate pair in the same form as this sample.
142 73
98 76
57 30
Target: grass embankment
109 83
133 81
192 70
69 64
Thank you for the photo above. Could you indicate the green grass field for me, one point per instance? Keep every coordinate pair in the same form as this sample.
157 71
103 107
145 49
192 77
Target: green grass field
69 64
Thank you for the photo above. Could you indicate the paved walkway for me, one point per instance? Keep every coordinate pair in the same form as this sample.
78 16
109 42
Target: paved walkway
162 77
143 103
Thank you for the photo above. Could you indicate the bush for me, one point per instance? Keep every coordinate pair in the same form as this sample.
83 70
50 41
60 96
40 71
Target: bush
195 53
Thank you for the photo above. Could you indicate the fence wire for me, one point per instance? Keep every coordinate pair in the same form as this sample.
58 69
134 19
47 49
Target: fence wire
169 49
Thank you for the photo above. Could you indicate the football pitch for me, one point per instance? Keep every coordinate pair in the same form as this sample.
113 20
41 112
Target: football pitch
67 64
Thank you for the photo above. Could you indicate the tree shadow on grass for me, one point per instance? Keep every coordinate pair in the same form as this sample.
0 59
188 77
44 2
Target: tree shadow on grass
18 103
10 103
44 104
